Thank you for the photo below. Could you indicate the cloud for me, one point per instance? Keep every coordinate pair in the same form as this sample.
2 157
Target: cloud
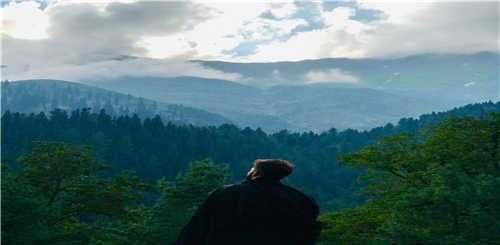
281 10
398 12
122 67
231 26
116 29
24 20
86 40
82 32
402 29
88 32
442 27
330 76
340 37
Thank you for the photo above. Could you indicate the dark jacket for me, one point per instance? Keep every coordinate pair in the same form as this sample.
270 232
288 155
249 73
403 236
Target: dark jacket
257 212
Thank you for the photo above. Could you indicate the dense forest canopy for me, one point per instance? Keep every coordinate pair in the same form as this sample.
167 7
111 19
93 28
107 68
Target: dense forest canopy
58 194
155 149
436 186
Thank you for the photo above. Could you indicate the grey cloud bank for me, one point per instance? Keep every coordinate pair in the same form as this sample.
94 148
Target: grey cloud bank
442 27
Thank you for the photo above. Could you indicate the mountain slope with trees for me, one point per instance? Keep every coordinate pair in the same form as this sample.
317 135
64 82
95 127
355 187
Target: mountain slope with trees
244 105
45 95
315 107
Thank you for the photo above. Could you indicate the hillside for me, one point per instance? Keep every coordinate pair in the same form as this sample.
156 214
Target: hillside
45 95
241 104
321 106
313 107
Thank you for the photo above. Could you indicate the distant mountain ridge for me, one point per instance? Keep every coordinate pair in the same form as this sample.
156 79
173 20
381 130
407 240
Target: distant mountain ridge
454 79
239 103
45 95
313 107
284 95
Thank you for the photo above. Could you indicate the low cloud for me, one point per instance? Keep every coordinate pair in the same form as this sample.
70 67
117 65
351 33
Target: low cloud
330 76
118 68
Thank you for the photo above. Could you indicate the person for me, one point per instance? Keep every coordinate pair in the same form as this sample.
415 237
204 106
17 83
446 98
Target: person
258 211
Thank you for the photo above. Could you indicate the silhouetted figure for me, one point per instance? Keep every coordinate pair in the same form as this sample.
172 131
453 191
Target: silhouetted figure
259 211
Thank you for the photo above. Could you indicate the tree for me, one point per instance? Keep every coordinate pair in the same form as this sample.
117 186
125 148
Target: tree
179 200
154 149
361 225
58 196
438 189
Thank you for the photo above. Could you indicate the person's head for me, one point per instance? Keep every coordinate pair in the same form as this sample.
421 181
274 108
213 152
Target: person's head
273 169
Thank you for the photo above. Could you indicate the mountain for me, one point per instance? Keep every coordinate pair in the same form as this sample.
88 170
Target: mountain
319 94
242 104
45 95
322 106
448 79
313 107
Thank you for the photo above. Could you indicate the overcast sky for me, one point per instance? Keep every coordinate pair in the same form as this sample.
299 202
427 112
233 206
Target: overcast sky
91 38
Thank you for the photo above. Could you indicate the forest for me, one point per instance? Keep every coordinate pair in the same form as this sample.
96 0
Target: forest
46 95
93 178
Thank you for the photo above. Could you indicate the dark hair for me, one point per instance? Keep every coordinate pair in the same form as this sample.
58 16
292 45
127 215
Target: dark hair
275 169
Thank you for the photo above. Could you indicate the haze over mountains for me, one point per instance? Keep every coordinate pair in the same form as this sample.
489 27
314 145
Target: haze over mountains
320 94
312 94
33 96
307 107
455 78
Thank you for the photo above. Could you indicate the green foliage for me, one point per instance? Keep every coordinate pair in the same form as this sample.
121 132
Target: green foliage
57 195
436 187
179 200
354 225
439 190
154 149
22 213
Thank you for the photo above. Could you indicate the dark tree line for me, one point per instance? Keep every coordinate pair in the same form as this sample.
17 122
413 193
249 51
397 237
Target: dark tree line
155 149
